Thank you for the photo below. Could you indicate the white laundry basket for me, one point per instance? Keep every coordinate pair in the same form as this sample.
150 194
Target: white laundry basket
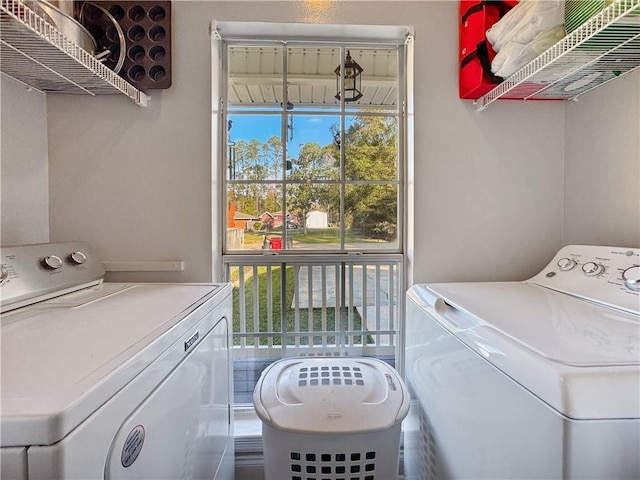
331 419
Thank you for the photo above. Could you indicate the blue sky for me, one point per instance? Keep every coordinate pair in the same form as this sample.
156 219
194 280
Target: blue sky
306 128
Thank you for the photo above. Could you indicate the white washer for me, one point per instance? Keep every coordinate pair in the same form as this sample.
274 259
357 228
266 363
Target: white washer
108 380
536 379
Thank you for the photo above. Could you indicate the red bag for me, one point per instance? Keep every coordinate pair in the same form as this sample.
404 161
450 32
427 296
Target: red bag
476 54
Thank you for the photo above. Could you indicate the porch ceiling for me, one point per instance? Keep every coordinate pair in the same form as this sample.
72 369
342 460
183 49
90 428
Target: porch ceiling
255 76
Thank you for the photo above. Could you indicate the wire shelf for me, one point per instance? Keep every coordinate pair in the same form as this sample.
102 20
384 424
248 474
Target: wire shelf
604 48
35 53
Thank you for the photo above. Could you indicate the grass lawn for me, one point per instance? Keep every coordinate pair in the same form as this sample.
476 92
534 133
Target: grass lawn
313 236
303 314
323 235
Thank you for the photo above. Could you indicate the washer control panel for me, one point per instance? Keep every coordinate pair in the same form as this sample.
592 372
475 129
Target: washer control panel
606 275
31 273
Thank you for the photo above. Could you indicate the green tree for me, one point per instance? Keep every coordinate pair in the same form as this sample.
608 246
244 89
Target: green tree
371 149
257 161
371 155
371 196
314 163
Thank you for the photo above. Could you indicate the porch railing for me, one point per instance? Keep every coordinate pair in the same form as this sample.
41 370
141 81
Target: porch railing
286 305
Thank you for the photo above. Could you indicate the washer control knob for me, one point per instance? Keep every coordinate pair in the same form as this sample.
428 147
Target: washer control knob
4 273
77 258
52 261
565 264
631 278
593 269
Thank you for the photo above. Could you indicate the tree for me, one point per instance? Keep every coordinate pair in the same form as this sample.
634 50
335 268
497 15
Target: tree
304 193
257 161
371 149
371 156
371 196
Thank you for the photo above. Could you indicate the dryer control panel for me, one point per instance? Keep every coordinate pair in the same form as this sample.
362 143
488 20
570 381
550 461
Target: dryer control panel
31 273
605 275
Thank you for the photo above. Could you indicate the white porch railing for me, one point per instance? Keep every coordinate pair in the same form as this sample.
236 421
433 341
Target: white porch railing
297 304
287 305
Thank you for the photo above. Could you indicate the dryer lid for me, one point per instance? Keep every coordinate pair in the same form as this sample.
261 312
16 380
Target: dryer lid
64 358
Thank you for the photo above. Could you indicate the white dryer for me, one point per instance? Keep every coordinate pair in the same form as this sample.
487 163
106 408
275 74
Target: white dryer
528 380
109 380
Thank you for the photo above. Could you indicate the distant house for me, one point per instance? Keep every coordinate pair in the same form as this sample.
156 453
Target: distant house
271 221
317 219
268 221
240 220
244 220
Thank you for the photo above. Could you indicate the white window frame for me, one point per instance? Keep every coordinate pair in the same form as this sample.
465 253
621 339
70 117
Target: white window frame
223 32
362 34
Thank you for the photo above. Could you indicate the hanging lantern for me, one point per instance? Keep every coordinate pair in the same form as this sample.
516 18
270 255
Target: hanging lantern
352 80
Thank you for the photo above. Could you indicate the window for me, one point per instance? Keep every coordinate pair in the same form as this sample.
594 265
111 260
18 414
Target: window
313 169
305 170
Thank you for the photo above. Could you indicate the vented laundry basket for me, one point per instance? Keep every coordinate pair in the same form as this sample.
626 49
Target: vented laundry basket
331 419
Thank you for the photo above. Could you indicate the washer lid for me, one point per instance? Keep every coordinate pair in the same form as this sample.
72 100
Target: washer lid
572 353
556 326
62 359
331 395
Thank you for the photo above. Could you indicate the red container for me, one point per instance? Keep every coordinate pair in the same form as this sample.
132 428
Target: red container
276 243
475 52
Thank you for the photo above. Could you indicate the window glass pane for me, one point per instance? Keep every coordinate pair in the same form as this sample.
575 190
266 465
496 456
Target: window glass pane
311 81
371 151
312 147
315 208
371 217
304 300
253 214
342 194
378 79
255 147
253 316
316 322
255 77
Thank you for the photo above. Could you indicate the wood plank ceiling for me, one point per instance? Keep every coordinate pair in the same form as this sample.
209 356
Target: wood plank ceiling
255 76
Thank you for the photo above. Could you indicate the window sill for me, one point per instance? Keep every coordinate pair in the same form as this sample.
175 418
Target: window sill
246 422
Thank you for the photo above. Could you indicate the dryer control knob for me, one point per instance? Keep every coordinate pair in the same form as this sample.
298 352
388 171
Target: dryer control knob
565 264
52 261
4 273
593 269
77 258
631 278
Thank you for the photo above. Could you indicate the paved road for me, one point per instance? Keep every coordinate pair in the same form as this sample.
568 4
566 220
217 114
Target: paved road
332 290
376 316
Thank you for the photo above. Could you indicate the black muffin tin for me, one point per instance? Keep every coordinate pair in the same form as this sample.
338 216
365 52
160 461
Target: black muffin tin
147 29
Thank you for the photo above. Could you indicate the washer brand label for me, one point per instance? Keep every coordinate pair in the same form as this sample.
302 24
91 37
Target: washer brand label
191 341
132 446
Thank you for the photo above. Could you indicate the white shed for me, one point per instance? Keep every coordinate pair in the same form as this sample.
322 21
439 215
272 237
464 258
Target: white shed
317 219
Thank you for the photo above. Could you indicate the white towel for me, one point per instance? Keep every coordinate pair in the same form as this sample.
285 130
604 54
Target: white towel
515 55
526 21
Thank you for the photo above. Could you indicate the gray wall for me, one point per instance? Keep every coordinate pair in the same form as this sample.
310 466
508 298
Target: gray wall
24 188
487 188
602 166
488 191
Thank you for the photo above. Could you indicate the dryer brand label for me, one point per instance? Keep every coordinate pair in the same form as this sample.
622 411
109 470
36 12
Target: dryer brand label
191 341
132 446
